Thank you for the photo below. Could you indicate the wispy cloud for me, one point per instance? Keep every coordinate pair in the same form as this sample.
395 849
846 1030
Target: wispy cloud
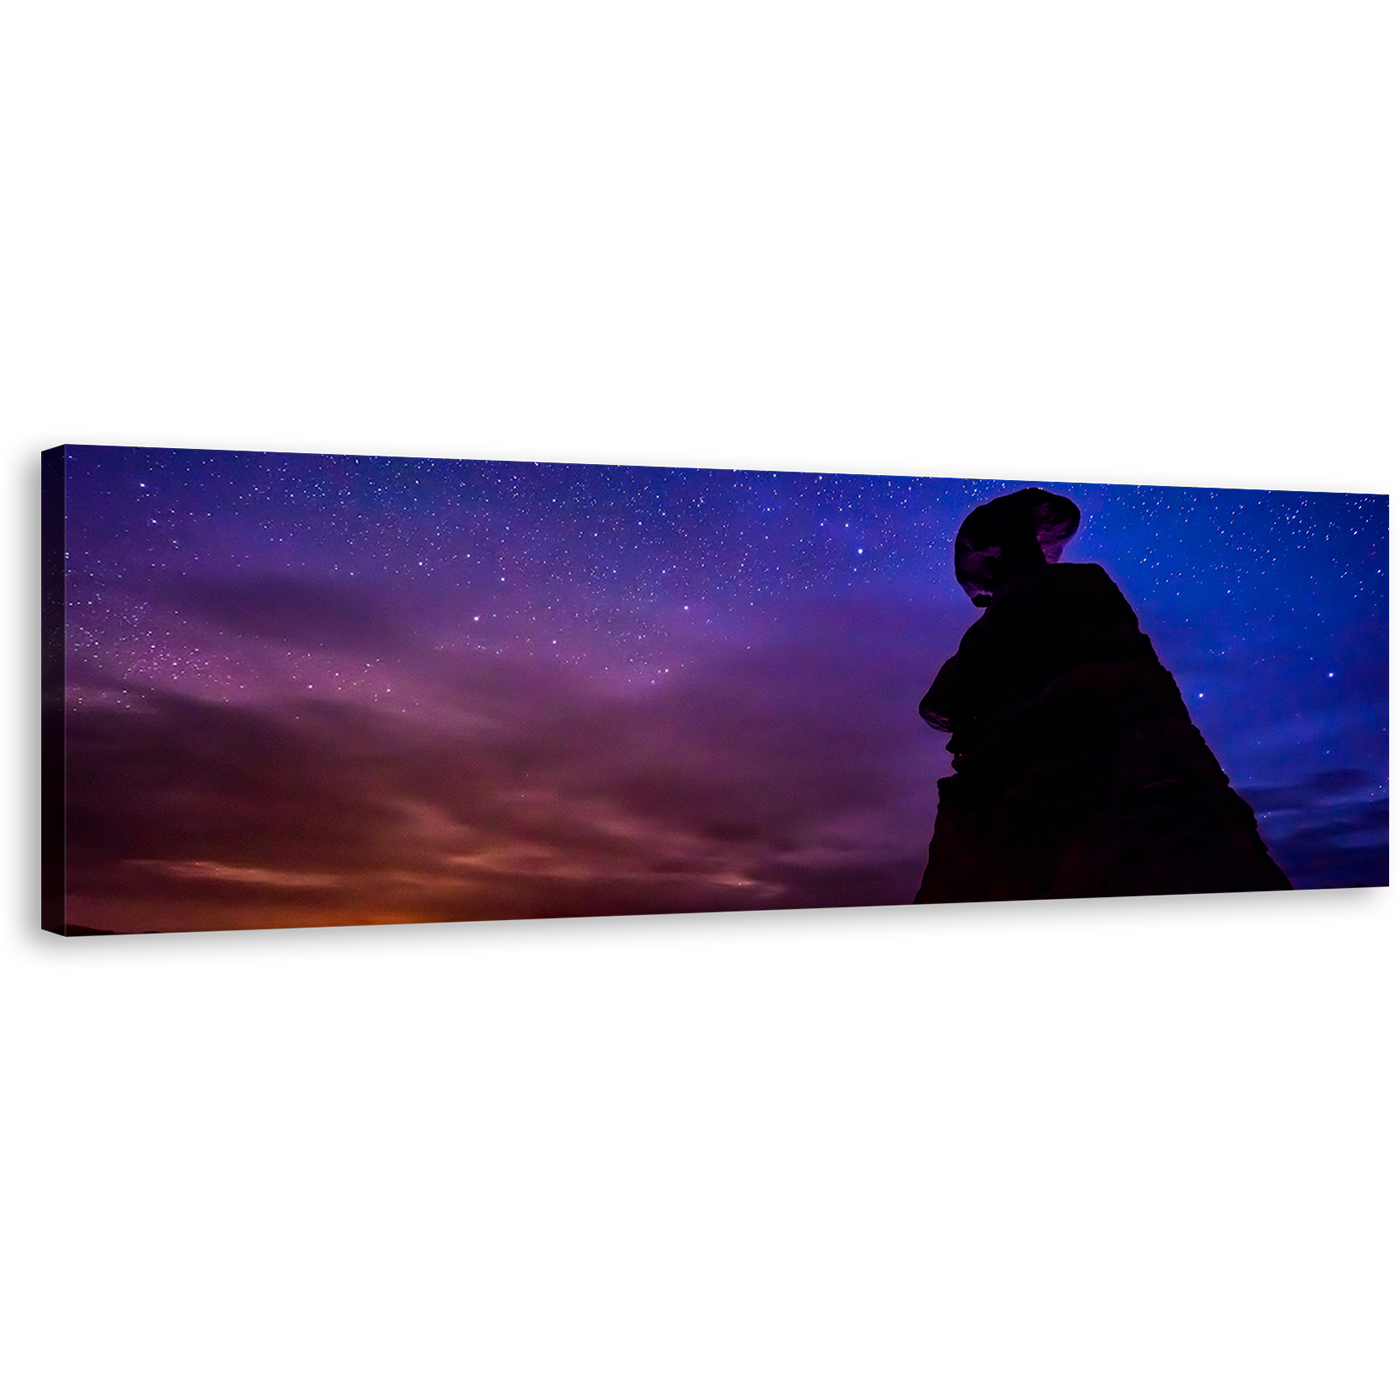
768 777
217 873
1331 828
307 613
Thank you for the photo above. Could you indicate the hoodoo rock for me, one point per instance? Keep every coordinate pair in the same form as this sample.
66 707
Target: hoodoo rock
1076 768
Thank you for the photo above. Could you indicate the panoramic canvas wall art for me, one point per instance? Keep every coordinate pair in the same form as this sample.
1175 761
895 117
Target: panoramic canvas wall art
286 690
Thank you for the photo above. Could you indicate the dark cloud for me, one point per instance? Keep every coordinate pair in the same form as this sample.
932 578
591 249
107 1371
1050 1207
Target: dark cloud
1349 852
189 780
820 720
792 774
302 612
1329 829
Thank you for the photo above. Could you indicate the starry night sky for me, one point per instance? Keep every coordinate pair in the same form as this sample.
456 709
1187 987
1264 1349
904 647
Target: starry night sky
309 690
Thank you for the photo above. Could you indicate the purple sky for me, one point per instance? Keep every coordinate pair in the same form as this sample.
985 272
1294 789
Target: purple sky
326 690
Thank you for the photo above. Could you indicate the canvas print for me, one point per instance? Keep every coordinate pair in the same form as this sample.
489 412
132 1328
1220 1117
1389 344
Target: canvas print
287 690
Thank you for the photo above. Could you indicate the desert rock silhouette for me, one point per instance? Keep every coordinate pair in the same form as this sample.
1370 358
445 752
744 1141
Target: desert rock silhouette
1077 769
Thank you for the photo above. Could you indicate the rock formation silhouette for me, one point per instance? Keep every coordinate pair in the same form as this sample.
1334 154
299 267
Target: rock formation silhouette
1077 770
